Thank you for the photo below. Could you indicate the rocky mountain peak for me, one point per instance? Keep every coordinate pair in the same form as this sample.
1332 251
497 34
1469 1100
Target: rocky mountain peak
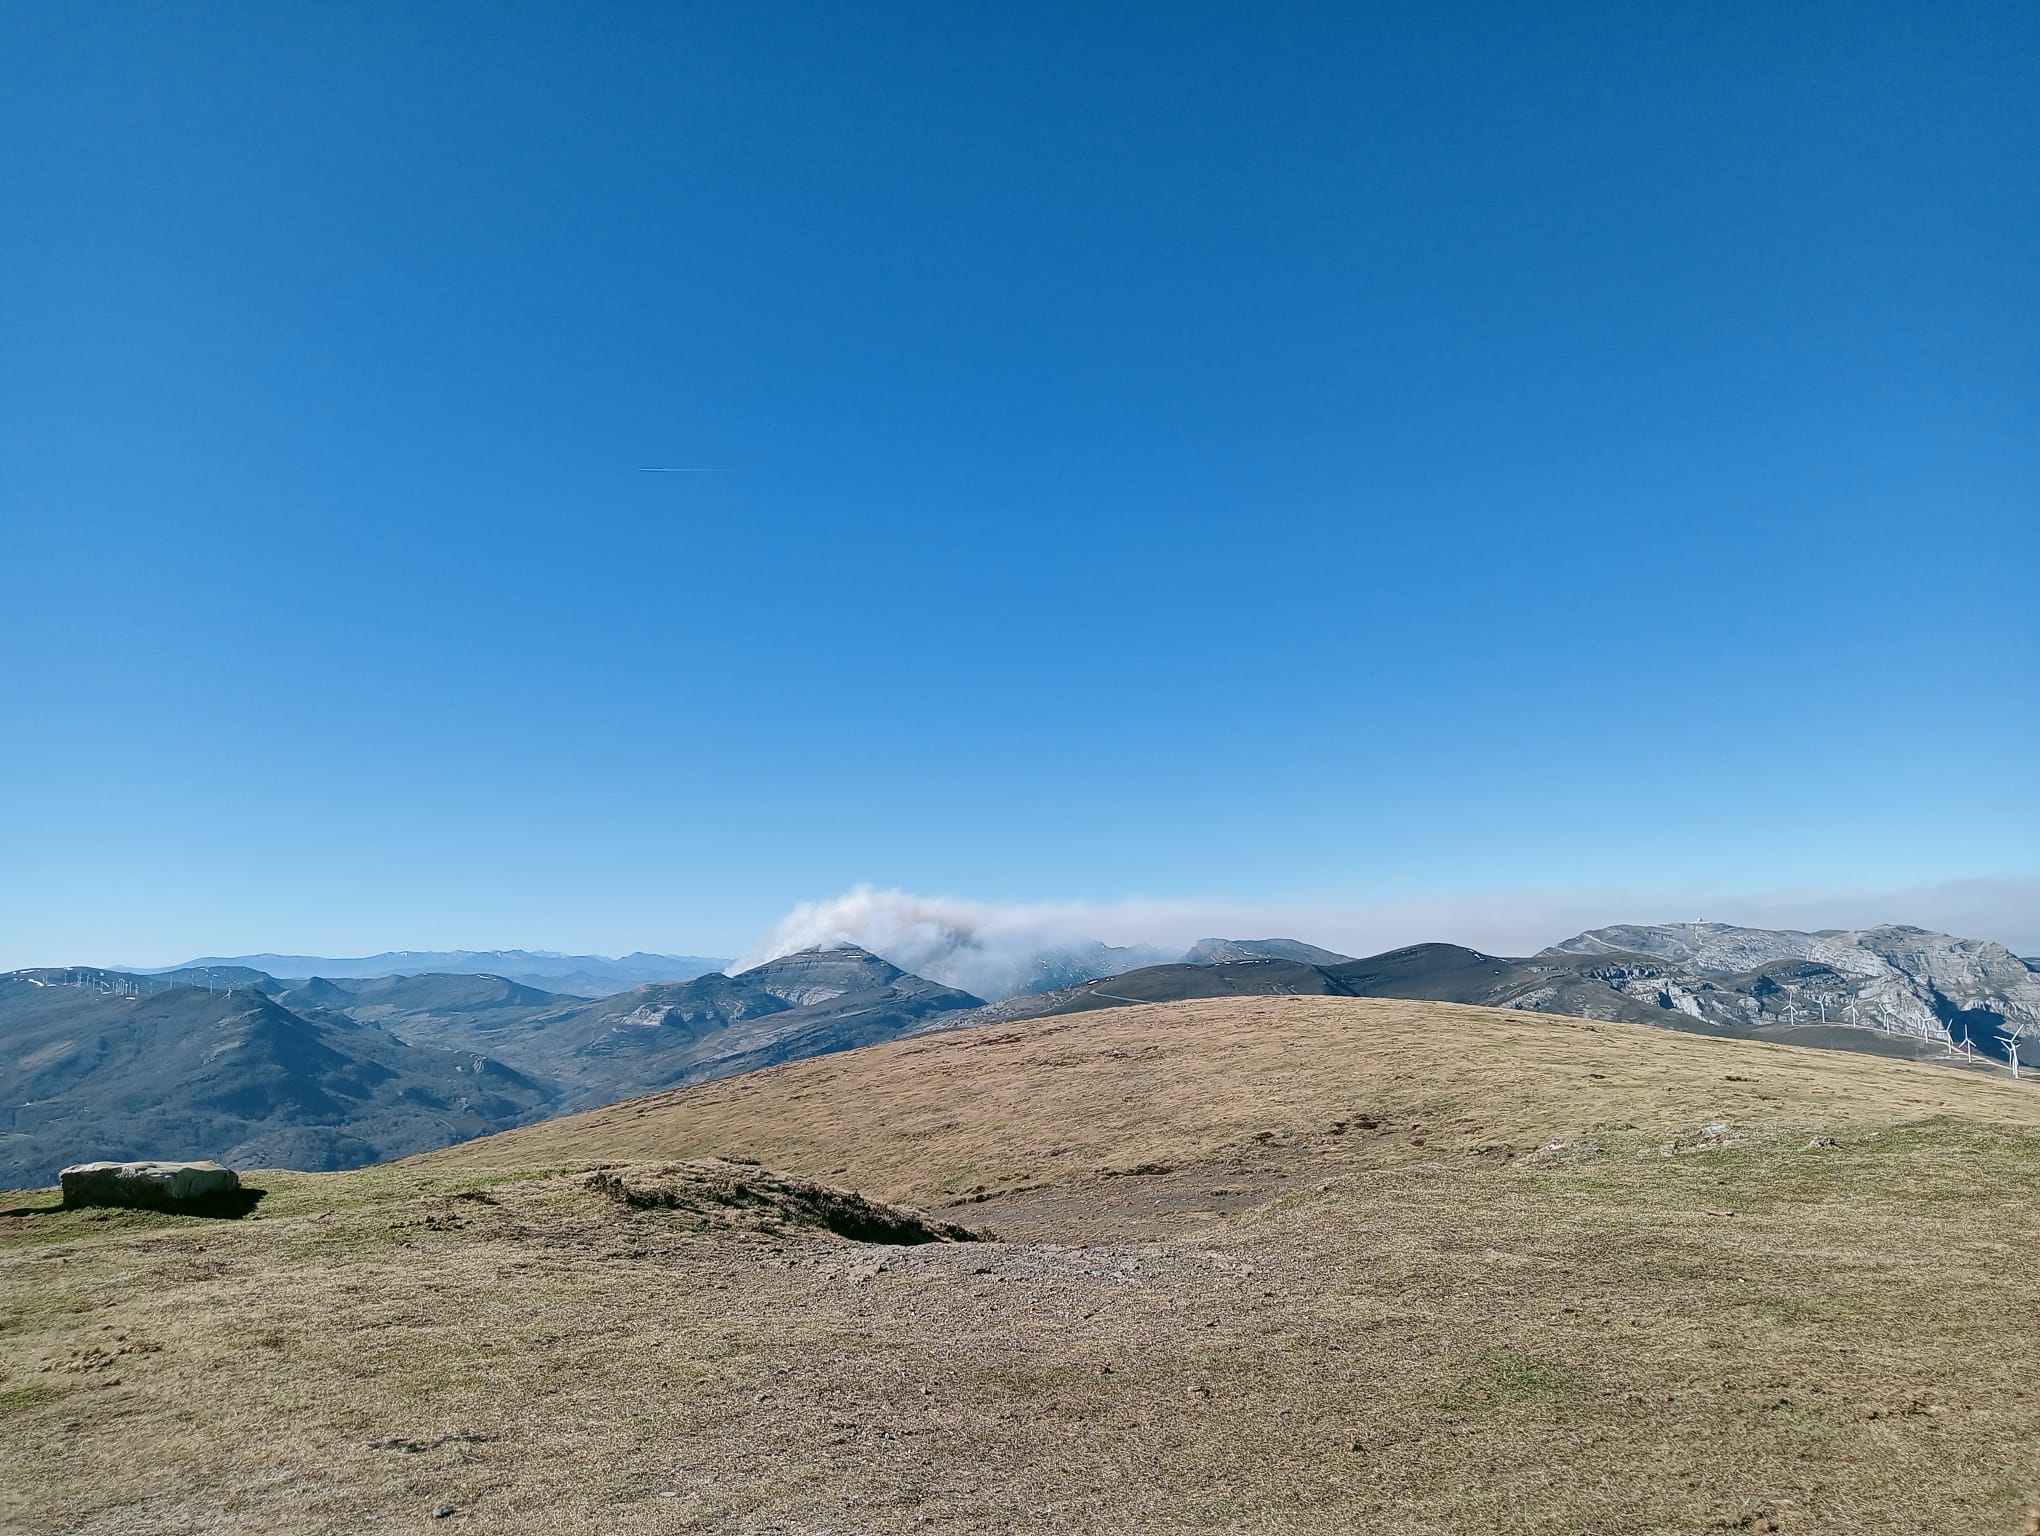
1894 977
812 976
1219 951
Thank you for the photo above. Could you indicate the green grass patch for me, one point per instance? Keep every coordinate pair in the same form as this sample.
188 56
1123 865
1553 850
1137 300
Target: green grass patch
1502 1375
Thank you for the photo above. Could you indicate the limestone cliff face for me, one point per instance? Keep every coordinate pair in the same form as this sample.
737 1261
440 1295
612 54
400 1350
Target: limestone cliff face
1903 980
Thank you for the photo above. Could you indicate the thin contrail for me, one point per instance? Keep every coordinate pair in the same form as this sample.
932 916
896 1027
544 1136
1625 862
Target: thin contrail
660 470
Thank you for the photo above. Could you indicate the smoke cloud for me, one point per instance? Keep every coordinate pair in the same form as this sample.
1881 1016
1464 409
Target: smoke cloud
992 948
982 947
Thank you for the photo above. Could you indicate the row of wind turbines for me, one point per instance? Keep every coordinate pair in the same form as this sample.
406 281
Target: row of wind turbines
126 986
1931 1027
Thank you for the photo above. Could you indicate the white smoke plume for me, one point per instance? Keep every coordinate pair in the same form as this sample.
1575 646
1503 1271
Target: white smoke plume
995 949
990 949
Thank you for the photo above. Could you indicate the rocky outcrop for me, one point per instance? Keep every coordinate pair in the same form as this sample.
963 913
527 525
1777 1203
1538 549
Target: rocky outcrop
1900 980
718 1193
159 1186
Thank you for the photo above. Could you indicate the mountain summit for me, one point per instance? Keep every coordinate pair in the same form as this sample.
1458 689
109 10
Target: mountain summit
1902 979
1215 951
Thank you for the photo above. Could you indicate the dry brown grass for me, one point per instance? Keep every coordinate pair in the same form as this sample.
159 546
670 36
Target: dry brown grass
1272 1265
938 1118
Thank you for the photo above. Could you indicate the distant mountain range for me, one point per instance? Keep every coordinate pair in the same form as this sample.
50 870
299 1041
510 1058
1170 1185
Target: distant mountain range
105 1064
1883 989
225 1059
580 975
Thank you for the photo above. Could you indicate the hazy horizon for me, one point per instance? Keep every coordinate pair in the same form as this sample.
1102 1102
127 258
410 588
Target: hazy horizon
1509 923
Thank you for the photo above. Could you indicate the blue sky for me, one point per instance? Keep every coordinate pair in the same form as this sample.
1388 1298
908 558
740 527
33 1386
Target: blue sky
1289 458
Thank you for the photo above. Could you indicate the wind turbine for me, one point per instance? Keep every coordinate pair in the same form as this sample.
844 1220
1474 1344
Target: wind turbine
2012 1037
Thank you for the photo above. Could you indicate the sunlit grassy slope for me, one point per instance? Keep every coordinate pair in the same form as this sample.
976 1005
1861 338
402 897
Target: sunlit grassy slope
1268 1265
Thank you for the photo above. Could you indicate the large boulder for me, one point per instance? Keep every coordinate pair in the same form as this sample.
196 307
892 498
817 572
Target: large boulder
164 1186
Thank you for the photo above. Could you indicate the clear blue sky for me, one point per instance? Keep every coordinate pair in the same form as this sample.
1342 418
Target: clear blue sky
1264 452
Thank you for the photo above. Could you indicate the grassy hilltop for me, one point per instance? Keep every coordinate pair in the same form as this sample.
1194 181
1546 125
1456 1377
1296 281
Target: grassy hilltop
1264 1264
